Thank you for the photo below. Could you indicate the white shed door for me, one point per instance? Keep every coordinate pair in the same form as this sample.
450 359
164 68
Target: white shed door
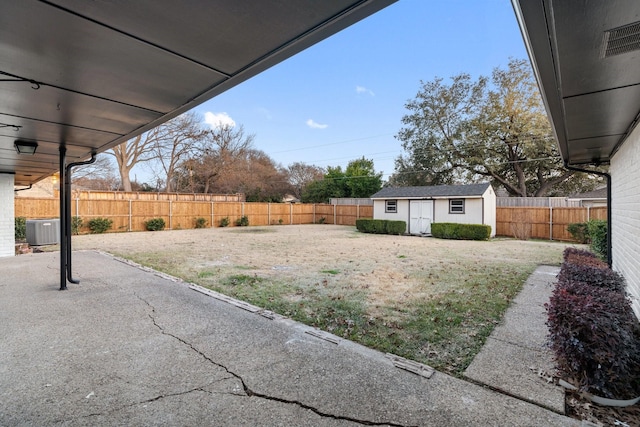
420 216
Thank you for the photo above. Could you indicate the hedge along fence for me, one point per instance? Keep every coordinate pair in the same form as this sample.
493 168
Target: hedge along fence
131 215
543 223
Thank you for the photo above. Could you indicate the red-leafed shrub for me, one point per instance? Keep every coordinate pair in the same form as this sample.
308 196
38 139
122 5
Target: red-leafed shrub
592 275
593 331
575 251
582 257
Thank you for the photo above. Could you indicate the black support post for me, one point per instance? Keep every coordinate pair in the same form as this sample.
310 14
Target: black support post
63 215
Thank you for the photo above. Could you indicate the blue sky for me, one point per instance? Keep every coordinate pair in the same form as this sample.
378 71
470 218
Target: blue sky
344 97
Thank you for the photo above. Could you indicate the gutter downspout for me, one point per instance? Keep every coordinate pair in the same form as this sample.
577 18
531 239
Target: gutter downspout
608 176
67 212
23 189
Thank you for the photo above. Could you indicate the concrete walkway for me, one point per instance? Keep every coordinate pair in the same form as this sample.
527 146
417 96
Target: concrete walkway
130 347
515 359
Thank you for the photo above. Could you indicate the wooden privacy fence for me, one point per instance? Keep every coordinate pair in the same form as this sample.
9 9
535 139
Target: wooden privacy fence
131 215
543 223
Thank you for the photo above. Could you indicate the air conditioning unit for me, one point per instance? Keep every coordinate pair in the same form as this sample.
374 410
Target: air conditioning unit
43 232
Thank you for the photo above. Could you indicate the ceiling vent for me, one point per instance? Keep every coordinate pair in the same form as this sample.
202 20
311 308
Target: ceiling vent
621 40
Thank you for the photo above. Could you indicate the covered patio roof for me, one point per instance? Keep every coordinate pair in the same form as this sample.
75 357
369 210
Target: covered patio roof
586 57
91 75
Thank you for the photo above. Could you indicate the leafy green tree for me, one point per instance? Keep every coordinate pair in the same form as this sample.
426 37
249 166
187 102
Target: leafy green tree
331 185
488 129
359 179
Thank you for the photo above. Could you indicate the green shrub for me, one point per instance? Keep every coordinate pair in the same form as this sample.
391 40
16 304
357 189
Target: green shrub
579 231
224 222
243 221
396 227
154 224
380 226
598 234
76 224
365 225
201 222
100 225
21 227
449 230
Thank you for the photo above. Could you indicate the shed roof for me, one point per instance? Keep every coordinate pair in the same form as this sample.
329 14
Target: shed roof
469 190
599 193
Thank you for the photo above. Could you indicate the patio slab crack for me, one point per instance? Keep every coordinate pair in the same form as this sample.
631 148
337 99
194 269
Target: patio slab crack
252 393
142 402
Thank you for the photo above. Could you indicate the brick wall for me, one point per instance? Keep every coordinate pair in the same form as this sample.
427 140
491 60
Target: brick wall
7 227
625 189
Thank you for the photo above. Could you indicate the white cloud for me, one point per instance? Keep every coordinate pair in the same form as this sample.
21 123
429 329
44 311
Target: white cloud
362 89
218 119
314 125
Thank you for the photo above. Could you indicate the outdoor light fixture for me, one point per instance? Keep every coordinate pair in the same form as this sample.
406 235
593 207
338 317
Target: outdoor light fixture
26 147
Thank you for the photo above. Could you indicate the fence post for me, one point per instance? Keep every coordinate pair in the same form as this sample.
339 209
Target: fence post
212 219
290 213
335 219
170 214
129 214
314 213
588 213
550 222
242 209
269 213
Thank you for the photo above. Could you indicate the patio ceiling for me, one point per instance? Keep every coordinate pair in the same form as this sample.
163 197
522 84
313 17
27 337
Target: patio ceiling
93 74
586 56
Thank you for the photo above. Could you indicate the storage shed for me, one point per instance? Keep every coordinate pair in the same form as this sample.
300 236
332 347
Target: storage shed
422 206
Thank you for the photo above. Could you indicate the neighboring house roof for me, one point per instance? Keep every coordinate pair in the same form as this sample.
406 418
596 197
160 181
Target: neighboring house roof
434 191
597 194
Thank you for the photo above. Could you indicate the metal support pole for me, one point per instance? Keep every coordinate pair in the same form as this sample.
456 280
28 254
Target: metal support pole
63 215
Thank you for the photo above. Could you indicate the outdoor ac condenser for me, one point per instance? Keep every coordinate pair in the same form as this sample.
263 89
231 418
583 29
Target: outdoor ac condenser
43 231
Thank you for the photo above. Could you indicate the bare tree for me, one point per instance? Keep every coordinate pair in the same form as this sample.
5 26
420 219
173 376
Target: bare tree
256 175
96 176
176 140
223 147
301 175
137 150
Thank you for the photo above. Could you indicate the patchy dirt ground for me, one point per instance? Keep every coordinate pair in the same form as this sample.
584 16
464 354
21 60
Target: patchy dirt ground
390 267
